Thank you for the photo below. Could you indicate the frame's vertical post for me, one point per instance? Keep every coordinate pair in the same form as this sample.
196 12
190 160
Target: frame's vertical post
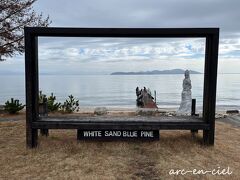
31 75
193 109
210 84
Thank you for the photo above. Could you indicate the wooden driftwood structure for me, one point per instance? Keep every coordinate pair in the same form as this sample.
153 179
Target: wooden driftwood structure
145 99
207 123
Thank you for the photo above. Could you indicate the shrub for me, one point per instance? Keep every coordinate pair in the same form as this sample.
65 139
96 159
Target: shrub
52 105
70 105
42 97
13 106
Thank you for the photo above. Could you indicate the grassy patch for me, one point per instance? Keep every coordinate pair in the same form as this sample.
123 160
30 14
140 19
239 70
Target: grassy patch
60 156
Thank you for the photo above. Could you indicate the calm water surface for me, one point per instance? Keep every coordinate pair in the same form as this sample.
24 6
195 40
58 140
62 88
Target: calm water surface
107 90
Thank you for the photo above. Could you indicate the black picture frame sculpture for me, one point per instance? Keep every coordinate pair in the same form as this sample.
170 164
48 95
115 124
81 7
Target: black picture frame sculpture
206 123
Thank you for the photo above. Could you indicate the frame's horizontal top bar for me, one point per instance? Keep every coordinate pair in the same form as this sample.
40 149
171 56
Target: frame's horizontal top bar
121 32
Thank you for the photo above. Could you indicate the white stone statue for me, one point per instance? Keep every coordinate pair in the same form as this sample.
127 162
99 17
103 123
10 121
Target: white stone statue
186 102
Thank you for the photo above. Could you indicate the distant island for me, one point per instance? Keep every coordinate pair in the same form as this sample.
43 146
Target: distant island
172 71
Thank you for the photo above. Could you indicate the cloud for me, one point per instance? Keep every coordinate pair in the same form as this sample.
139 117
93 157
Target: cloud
141 13
113 47
74 54
119 54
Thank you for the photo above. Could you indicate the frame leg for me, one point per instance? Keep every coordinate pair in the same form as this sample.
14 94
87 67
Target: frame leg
78 134
44 132
32 137
194 132
208 137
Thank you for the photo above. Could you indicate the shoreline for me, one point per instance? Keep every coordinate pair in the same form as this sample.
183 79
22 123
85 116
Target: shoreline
219 109
222 116
123 109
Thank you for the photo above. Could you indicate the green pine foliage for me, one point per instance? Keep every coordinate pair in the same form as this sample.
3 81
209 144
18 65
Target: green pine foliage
70 105
42 97
53 106
13 106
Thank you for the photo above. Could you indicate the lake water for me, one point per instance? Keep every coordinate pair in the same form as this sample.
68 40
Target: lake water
119 90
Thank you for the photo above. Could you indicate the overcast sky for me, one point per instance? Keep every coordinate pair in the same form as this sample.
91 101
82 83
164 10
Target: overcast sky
105 55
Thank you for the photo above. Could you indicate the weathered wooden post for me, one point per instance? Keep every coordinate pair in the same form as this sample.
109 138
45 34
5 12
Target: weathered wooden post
193 113
43 112
31 76
210 84
155 96
43 108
